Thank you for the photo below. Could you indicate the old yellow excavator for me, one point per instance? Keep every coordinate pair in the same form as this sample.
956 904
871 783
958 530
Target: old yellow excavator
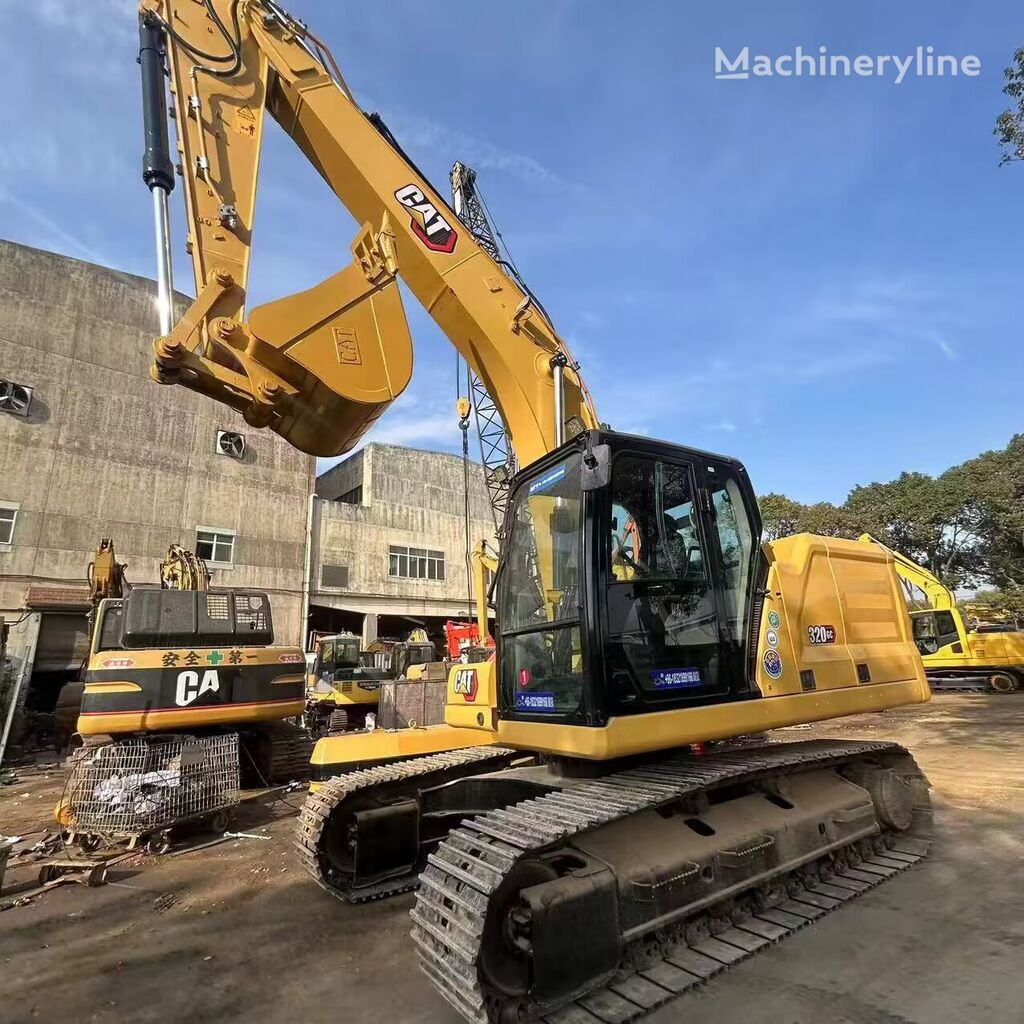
581 854
979 652
182 657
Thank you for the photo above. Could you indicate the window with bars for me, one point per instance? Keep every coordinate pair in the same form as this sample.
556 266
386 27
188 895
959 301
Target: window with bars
215 545
415 563
8 516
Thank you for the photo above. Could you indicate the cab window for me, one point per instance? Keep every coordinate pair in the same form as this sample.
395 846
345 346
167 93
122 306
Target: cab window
110 629
654 532
346 653
945 625
539 594
662 619
326 657
933 630
736 546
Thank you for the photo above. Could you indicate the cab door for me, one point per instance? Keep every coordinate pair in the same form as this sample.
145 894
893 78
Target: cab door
663 624
733 529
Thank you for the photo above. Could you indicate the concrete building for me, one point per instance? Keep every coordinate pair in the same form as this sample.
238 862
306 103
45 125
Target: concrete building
105 452
389 541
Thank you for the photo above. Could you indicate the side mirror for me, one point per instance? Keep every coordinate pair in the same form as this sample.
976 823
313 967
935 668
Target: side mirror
596 467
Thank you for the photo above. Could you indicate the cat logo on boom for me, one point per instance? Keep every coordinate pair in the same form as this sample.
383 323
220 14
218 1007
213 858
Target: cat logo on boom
428 224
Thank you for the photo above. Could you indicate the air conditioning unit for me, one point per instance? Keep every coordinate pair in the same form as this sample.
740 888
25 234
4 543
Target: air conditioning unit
15 398
231 444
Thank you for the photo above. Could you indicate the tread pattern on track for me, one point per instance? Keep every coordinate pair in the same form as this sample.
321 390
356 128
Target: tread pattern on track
450 912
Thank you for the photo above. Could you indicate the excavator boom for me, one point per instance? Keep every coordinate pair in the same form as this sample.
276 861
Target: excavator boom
320 366
938 595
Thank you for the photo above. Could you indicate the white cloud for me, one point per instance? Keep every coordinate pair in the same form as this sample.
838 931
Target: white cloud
103 16
592 320
839 364
438 430
939 342
901 307
416 423
419 132
50 232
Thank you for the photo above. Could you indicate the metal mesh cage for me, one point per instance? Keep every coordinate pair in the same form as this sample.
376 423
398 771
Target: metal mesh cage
136 786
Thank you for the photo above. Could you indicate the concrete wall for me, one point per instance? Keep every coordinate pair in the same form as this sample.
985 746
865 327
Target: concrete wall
412 498
108 452
344 477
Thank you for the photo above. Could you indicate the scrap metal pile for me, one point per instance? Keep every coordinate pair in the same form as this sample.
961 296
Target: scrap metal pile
132 788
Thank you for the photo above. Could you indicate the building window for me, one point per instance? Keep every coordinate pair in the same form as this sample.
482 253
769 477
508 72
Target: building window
8 515
415 563
353 497
215 544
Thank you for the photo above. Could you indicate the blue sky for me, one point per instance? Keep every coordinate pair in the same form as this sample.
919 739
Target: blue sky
819 276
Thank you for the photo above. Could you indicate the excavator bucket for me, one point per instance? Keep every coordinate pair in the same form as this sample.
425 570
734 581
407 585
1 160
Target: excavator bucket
317 367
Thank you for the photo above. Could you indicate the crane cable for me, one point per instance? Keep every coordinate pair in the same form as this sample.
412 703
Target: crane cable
509 264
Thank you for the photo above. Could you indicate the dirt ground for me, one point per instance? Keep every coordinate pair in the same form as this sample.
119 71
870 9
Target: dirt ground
236 932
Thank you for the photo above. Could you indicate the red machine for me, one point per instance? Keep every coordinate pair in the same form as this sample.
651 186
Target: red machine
461 638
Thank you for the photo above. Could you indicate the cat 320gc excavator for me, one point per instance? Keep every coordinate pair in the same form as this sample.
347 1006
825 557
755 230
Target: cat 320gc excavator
591 857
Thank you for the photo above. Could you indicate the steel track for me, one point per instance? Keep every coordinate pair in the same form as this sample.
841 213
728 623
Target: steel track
450 914
320 805
290 749
981 688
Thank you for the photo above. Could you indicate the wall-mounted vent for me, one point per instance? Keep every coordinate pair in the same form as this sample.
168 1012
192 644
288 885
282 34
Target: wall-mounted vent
334 576
15 398
231 444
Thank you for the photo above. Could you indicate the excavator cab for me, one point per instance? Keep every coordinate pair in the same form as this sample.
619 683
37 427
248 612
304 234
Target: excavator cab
934 630
593 627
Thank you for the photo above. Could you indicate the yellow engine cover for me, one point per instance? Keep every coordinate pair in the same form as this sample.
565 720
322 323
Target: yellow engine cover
834 617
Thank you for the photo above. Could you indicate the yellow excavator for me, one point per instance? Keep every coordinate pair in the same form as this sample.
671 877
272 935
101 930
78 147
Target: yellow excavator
181 657
340 690
582 847
984 655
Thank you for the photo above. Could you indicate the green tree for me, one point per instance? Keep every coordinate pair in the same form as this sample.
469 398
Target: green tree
930 519
995 480
828 520
779 515
965 525
1009 127
782 517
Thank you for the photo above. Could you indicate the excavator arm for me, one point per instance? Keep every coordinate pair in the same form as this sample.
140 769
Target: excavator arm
320 366
938 595
106 574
